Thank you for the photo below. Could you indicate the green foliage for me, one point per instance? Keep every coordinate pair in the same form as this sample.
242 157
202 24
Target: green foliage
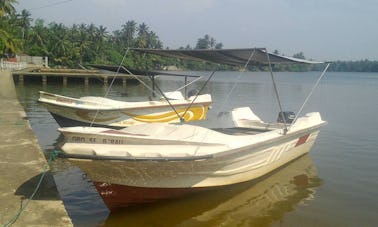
208 42
9 42
354 66
7 7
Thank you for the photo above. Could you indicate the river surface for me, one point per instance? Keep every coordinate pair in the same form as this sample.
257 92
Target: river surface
335 185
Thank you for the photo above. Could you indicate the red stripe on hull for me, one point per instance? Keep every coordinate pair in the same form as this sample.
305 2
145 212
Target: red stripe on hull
120 196
302 140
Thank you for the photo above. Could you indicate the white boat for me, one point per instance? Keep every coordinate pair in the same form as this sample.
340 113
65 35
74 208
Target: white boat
99 111
144 163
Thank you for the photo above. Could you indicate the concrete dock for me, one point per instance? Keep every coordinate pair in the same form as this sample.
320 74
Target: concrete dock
22 163
65 75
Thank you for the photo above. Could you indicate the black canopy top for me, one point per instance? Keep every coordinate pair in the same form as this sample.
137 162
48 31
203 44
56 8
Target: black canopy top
252 56
126 70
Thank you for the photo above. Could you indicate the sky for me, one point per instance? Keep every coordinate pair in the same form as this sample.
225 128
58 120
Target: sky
321 29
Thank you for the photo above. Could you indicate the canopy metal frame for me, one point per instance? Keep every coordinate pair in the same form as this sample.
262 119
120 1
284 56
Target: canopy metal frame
237 57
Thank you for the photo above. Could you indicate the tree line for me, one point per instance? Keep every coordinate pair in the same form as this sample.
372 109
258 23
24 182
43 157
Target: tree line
85 44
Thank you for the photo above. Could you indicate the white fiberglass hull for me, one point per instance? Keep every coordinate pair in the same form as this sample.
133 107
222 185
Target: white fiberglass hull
106 112
176 156
147 162
236 167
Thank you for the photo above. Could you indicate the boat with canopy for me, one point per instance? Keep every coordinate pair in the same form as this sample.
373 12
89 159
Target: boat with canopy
102 111
145 163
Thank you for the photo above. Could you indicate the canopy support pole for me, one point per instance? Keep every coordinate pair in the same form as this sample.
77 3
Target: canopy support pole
169 103
186 88
310 94
204 85
153 85
111 84
144 84
276 92
153 90
187 84
242 71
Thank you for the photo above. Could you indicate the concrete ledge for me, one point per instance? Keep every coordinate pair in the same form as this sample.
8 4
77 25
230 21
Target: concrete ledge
22 163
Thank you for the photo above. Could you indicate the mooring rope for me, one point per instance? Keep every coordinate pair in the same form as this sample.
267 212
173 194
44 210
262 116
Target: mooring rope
13 220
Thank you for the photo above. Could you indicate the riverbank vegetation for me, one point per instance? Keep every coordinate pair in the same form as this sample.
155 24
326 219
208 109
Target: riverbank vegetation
85 44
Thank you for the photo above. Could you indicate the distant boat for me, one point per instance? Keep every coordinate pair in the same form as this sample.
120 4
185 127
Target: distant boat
145 163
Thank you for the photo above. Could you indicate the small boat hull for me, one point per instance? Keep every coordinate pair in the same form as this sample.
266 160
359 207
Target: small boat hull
67 122
117 196
125 183
145 163
96 111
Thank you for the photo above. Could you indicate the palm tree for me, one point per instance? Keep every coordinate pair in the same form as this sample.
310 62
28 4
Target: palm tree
102 33
7 43
202 43
7 8
208 42
7 30
212 43
141 41
153 41
24 21
142 29
59 40
100 41
85 42
116 38
38 39
219 46
129 30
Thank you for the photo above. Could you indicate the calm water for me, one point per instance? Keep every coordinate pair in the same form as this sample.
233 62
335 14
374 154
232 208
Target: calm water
336 185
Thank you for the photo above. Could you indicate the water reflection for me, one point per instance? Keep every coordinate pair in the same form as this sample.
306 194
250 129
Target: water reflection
82 201
257 203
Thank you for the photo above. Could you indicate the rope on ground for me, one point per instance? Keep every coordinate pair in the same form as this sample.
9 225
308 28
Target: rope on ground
53 155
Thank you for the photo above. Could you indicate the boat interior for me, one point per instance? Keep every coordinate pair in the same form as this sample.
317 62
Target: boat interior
251 130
